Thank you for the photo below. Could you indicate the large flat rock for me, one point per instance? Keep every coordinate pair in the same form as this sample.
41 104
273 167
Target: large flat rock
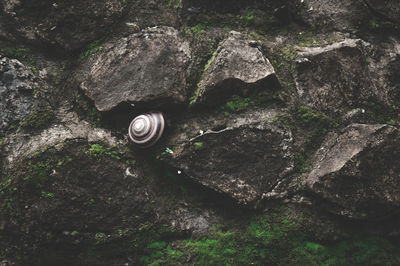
243 159
347 75
237 67
357 171
334 79
148 68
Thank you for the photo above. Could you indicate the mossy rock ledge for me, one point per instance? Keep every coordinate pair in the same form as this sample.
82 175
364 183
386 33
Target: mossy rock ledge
280 145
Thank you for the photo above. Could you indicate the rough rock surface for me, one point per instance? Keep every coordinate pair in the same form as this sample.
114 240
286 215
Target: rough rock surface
20 146
20 91
147 67
304 172
345 15
358 171
237 66
65 173
344 76
61 196
388 9
384 64
69 24
243 159
327 78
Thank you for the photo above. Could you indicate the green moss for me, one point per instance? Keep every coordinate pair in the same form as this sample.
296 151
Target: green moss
302 160
237 103
87 110
174 3
283 62
93 48
20 52
312 38
46 195
381 114
318 125
249 20
373 24
314 125
169 151
377 113
195 30
196 93
270 239
131 162
38 173
308 117
198 145
94 116
74 233
246 20
97 150
38 120
211 60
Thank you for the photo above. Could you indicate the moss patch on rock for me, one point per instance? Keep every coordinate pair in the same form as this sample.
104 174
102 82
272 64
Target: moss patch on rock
269 239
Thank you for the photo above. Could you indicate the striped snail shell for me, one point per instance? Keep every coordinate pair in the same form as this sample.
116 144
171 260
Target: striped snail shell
145 130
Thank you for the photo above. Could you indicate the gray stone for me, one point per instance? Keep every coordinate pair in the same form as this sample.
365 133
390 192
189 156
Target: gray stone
195 221
344 15
357 171
69 24
19 93
237 66
18 146
336 78
347 75
148 68
243 158
389 9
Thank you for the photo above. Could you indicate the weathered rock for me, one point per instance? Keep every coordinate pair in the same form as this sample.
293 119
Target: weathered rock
389 9
352 74
18 146
150 67
63 195
243 158
188 219
344 15
20 93
357 171
237 66
69 24
384 66
335 78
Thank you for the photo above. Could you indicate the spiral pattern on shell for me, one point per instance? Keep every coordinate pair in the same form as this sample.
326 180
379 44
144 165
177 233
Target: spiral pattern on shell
145 130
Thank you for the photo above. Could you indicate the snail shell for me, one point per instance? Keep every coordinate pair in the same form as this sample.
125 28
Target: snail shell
145 130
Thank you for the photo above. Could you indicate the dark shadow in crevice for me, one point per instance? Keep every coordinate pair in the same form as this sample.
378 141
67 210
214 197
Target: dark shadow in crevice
380 226
198 193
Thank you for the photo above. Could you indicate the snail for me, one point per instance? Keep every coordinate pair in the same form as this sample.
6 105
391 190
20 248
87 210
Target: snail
146 129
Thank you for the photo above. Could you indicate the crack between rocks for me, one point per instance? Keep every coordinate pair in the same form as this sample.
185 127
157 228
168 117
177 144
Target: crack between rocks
209 131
